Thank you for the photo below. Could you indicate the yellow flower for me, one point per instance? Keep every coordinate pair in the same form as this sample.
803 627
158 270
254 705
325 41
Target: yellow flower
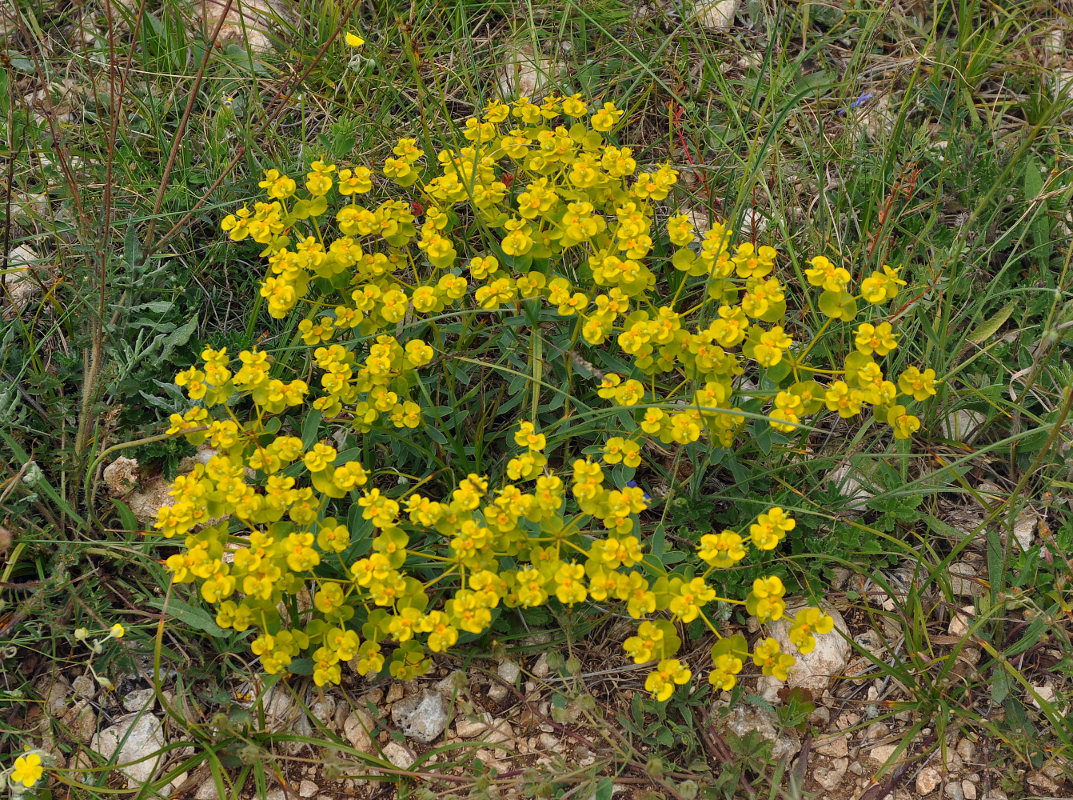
27 770
877 339
918 385
768 656
809 621
721 549
570 583
668 672
879 287
353 40
117 631
903 423
765 600
841 398
606 118
689 598
824 273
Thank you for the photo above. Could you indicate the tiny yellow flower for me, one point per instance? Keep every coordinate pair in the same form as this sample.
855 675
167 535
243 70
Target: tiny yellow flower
353 40
117 631
668 672
27 770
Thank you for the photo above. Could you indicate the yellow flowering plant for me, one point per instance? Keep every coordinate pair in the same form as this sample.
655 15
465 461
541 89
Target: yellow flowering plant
539 218
24 773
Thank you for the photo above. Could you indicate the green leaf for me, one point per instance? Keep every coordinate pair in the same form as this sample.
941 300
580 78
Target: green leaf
604 789
323 483
301 666
683 259
838 305
126 516
197 618
169 341
1040 224
995 563
310 428
132 249
987 329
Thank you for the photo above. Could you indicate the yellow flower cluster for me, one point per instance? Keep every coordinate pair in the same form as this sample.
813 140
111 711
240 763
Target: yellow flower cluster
571 219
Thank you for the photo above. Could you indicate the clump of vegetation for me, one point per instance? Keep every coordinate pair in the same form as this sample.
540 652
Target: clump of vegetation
538 231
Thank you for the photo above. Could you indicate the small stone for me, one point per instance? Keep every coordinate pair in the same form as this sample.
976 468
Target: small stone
584 757
845 479
744 720
847 719
121 476
488 758
829 777
1039 781
1045 692
524 73
395 693
835 746
715 13
875 732
56 695
307 789
455 682
172 787
247 23
954 792
81 719
324 710
928 780
499 731
279 707
968 789
23 282
961 425
472 728
820 717
136 737
547 741
961 621
882 753
1024 528
421 717
962 579
358 729
398 755
138 700
497 692
753 223
967 750
508 672
85 687
1063 79
541 668
207 791
374 698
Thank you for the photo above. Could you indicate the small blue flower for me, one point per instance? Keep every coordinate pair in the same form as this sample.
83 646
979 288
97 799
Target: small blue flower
860 101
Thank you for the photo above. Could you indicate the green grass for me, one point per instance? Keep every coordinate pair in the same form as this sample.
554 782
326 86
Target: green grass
932 140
